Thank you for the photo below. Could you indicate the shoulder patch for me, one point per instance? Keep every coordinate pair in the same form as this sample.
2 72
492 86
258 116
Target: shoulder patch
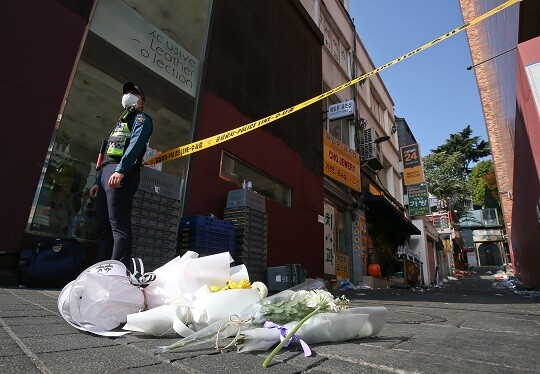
140 118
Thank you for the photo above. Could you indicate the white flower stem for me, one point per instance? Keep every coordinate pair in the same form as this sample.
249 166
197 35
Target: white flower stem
288 337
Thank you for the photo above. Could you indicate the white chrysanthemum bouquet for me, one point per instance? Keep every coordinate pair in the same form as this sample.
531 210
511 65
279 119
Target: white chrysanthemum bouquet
304 316
203 298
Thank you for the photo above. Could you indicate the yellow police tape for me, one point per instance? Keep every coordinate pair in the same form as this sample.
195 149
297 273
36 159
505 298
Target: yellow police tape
220 138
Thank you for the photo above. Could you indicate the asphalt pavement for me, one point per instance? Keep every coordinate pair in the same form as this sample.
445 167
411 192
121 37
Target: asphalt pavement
469 325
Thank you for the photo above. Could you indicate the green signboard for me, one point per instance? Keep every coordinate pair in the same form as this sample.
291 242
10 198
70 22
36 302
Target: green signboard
418 200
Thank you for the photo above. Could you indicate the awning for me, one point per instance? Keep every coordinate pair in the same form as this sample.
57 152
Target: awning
390 213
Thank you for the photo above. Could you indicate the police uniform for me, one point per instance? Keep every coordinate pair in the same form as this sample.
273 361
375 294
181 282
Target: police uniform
125 150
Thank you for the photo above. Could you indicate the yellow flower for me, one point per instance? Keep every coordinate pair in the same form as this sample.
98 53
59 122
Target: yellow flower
244 283
231 285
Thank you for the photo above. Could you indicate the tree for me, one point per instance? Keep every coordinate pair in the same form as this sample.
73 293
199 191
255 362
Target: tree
445 179
481 182
471 148
483 185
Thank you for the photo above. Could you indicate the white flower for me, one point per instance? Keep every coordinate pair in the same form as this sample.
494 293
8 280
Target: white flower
321 299
261 288
299 297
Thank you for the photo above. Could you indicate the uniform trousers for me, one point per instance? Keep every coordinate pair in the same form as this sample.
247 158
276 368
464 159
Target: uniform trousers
113 213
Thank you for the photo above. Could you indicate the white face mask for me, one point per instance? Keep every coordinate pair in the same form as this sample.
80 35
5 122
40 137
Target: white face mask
129 101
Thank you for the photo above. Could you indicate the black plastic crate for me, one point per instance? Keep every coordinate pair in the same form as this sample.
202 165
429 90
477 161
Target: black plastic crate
246 198
244 212
280 278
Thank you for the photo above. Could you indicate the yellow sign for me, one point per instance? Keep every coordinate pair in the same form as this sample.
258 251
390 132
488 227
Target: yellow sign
341 163
220 138
413 172
374 190
342 265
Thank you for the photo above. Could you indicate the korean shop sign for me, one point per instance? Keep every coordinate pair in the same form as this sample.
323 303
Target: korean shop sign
418 200
413 172
341 110
341 163
329 242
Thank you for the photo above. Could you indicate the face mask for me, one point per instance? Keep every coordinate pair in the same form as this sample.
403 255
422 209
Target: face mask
129 101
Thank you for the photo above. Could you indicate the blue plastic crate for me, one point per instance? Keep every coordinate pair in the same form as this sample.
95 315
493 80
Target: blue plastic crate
206 235
206 221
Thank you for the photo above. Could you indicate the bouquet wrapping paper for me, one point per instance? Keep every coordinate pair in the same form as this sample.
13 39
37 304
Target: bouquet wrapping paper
106 295
348 324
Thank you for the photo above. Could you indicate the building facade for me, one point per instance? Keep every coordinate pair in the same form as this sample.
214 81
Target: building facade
505 51
201 73
428 245
368 215
206 67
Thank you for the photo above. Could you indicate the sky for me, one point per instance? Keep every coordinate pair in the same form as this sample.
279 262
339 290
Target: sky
432 90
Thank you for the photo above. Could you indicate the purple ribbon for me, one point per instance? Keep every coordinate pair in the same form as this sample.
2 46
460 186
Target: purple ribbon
283 334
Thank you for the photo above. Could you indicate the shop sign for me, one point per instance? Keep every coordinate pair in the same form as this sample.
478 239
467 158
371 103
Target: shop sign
413 172
363 240
356 235
341 110
341 163
418 200
489 235
329 242
342 265
123 27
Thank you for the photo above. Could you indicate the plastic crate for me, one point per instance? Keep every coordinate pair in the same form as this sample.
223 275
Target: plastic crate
152 257
280 278
246 198
257 235
158 182
252 257
244 213
207 235
195 222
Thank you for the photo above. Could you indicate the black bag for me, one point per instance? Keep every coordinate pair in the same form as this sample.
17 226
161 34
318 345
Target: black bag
51 264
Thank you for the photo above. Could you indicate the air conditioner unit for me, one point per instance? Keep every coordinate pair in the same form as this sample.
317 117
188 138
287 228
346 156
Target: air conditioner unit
370 151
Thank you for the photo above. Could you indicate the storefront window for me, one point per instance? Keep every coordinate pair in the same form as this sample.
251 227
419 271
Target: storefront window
157 45
339 128
236 170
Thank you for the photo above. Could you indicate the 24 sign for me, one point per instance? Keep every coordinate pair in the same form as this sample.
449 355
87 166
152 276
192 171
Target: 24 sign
413 172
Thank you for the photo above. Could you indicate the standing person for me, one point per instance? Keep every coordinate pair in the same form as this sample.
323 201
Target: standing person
119 177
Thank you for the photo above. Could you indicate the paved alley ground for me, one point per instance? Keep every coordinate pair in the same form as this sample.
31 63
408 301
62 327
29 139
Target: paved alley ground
469 325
